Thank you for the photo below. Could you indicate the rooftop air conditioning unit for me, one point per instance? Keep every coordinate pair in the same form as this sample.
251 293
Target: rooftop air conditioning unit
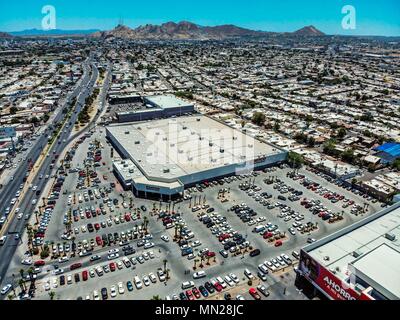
250 145
184 128
126 132
390 236
356 253
137 142
211 144
190 158
180 151
166 170
172 145
150 154
198 119
221 150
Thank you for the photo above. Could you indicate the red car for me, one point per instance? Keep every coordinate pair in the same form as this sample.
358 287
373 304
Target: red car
196 293
84 275
88 214
127 217
39 263
99 241
210 254
253 292
190 295
112 266
76 218
75 266
218 287
267 235
278 243
97 226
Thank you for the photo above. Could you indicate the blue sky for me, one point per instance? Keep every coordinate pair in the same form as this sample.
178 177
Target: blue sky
373 17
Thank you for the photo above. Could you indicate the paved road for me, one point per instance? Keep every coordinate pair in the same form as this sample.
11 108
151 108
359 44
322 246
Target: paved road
17 226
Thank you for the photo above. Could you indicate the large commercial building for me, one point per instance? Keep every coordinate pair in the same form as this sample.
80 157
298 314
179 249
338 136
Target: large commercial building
137 108
359 262
161 157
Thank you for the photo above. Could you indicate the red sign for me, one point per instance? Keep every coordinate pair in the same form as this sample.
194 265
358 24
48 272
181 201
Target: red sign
327 281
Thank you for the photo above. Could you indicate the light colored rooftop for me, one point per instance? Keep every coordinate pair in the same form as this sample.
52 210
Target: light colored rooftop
381 266
171 148
336 251
167 101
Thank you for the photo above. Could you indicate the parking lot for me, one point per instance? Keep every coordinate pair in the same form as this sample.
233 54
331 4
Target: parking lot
100 238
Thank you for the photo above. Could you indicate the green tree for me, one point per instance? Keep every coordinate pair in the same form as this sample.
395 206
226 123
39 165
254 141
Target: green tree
295 160
258 118
341 133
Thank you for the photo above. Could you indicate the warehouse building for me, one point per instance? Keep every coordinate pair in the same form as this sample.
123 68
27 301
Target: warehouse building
359 262
162 157
152 107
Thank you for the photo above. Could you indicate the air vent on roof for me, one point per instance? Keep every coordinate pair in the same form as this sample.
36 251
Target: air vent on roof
157 133
190 158
201 138
234 138
126 132
180 151
172 145
211 144
131 170
221 150
184 128
242 157
198 119
137 142
250 145
150 154
165 139
166 170
356 253
390 236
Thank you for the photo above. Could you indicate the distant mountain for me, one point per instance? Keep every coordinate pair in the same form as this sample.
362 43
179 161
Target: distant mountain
179 31
309 31
4 35
54 32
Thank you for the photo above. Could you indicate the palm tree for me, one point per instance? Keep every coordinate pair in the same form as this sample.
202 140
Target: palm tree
21 272
52 295
10 296
156 297
165 265
21 284
195 262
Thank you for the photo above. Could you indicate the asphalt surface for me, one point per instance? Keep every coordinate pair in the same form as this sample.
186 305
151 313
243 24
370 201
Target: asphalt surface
83 90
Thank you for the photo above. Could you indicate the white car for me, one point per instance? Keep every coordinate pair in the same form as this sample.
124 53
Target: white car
19 217
63 259
149 245
146 281
234 277
96 295
27 262
121 289
6 289
152 277
164 238
113 256
113 292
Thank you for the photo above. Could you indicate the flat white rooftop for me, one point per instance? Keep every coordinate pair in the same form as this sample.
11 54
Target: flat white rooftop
381 267
167 101
176 147
364 240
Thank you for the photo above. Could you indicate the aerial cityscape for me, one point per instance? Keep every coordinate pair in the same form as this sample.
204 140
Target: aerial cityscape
199 157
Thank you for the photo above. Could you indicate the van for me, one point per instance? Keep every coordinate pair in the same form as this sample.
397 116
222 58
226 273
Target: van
259 229
199 274
187 285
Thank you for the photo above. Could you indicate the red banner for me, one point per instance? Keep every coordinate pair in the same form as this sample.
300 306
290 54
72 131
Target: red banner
327 281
